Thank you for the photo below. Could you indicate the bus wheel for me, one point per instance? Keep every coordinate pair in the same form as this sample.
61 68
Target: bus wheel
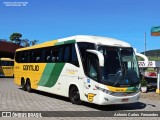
28 85
74 95
23 85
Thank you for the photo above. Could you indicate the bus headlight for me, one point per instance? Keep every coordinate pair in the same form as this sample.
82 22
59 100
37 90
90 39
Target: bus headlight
104 90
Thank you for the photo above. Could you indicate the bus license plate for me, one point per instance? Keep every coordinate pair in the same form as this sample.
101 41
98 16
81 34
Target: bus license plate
125 100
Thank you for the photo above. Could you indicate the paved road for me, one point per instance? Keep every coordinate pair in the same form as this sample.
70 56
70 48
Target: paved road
13 98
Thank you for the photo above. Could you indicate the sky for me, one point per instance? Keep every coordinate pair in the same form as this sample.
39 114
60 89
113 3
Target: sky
45 20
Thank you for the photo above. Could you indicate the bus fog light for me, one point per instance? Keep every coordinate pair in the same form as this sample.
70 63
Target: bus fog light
104 90
106 99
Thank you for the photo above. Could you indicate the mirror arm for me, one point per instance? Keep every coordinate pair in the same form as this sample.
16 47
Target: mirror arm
99 55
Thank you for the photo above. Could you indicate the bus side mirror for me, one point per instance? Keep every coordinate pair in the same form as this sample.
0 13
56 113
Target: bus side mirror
99 55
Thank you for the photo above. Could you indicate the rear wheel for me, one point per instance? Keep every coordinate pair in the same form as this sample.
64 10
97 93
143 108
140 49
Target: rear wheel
23 85
74 95
28 86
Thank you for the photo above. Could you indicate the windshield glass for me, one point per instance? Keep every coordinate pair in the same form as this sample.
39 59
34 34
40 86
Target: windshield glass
120 66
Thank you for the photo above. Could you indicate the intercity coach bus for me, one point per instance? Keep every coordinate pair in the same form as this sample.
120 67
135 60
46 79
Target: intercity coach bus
6 67
93 69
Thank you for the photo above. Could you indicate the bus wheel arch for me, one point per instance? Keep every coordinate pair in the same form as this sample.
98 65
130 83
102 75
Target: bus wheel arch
74 95
28 85
23 84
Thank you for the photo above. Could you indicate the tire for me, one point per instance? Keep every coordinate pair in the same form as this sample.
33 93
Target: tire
23 85
74 95
28 86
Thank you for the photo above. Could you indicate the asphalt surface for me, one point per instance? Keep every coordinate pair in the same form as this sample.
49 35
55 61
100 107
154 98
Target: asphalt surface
13 98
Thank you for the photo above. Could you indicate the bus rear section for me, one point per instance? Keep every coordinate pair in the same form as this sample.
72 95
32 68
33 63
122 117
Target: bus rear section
6 67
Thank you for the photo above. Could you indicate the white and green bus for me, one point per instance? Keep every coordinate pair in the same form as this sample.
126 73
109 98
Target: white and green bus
93 69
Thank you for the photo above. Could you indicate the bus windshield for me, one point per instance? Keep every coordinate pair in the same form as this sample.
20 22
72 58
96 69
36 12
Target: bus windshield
120 66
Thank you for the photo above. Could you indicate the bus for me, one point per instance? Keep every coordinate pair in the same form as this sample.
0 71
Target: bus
84 68
6 67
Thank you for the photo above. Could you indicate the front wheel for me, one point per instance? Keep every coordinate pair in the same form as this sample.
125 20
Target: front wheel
74 95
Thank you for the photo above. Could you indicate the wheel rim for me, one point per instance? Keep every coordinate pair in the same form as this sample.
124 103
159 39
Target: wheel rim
23 85
75 96
28 86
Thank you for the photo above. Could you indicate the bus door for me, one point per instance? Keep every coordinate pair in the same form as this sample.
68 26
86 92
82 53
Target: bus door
91 81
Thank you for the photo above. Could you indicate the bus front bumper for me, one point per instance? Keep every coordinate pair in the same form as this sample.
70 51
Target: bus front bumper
110 99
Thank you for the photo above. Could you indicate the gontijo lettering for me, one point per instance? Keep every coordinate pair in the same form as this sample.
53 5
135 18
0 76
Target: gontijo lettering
31 67
7 67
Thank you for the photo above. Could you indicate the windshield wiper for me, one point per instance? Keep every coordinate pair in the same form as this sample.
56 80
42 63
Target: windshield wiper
118 76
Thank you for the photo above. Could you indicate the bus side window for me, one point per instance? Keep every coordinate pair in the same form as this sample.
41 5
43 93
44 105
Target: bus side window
37 56
92 66
4 63
74 59
27 56
67 53
48 58
47 55
83 46
12 63
38 59
60 54
23 56
18 57
55 54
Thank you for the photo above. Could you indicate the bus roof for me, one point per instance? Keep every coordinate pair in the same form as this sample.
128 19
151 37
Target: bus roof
6 59
81 38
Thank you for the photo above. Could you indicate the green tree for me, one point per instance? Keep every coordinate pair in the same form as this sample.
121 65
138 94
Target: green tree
33 42
25 42
15 38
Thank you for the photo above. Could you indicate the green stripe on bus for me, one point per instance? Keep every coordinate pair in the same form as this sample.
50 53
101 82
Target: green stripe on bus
70 41
65 42
56 71
47 72
59 43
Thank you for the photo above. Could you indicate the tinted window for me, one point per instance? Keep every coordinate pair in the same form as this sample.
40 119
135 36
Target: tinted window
18 57
23 57
67 53
48 55
83 46
55 53
74 59
11 63
61 53
6 63
28 56
92 66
